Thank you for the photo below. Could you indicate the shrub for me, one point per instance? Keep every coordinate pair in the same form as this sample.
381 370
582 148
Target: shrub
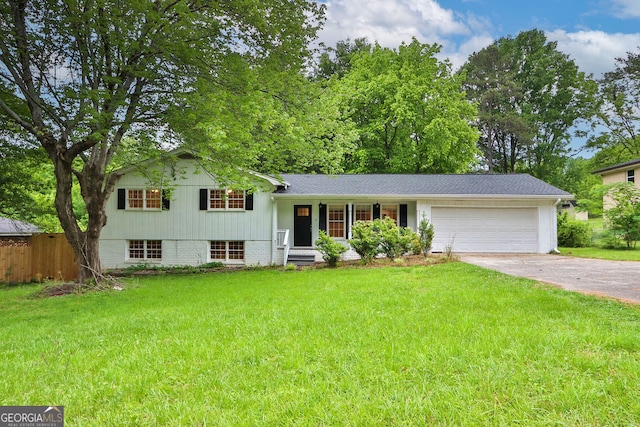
573 233
426 235
365 240
623 219
394 241
330 249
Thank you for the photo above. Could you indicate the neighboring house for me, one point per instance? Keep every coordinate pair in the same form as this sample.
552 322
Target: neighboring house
16 233
205 222
622 172
570 207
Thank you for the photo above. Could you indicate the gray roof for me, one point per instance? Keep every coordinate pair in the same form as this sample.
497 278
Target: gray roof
618 166
12 227
420 185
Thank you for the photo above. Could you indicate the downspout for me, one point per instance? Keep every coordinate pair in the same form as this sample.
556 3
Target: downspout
555 226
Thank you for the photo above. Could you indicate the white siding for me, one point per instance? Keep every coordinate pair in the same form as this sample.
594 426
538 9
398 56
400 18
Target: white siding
184 229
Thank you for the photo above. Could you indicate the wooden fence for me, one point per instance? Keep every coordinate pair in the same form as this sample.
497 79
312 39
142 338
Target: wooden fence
48 256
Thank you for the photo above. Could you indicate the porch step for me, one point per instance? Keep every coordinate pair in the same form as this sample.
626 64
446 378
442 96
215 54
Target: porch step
301 259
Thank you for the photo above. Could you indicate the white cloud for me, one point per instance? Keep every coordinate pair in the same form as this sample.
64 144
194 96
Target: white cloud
595 51
389 22
626 8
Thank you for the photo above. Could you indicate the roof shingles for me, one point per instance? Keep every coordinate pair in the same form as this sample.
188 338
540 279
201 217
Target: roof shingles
420 185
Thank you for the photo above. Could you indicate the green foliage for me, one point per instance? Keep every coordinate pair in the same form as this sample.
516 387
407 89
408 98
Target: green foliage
365 240
530 97
619 112
623 219
395 241
409 111
573 233
139 70
330 249
381 236
426 232
336 62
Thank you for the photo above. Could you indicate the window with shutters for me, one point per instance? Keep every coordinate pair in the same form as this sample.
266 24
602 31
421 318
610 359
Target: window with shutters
336 221
362 213
390 211
143 199
226 199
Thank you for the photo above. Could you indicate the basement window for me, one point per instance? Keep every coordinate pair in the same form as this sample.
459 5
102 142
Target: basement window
145 250
227 251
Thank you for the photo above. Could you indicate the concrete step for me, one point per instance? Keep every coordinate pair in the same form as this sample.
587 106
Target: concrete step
301 259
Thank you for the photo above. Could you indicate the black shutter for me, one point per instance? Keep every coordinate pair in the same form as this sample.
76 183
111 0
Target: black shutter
323 218
204 199
346 222
403 216
122 198
248 202
166 203
376 211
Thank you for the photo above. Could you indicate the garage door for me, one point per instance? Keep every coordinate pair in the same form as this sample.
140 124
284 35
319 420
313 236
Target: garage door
485 229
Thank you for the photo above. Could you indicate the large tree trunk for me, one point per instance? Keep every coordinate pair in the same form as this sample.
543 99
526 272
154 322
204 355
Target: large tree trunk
85 244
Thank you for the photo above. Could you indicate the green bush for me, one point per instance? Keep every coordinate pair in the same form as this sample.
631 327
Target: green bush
370 238
365 240
426 235
573 233
330 249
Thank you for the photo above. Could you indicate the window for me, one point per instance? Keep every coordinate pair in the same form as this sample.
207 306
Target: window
362 213
390 211
231 251
145 249
226 199
631 175
336 221
144 199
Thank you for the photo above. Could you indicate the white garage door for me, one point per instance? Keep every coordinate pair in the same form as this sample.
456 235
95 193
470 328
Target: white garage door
485 229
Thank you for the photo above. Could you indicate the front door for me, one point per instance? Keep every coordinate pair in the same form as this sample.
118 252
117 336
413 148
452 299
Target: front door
302 225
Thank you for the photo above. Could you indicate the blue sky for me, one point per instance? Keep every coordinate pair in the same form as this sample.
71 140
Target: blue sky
592 32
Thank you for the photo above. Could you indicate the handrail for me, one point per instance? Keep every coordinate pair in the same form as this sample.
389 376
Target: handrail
283 242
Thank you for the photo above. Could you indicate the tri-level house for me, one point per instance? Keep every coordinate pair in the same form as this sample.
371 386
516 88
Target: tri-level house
195 220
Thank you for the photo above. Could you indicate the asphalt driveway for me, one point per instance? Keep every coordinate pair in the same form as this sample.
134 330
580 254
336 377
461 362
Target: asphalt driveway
614 279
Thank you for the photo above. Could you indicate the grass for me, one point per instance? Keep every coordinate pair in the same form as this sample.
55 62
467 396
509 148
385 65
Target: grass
621 254
448 344
598 248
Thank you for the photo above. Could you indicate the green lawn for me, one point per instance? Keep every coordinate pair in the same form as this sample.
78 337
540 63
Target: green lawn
449 344
622 254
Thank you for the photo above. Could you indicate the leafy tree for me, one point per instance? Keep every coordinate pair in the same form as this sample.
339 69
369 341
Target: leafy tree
505 132
337 61
530 98
80 76
623 219
409 111
576 178
619 112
